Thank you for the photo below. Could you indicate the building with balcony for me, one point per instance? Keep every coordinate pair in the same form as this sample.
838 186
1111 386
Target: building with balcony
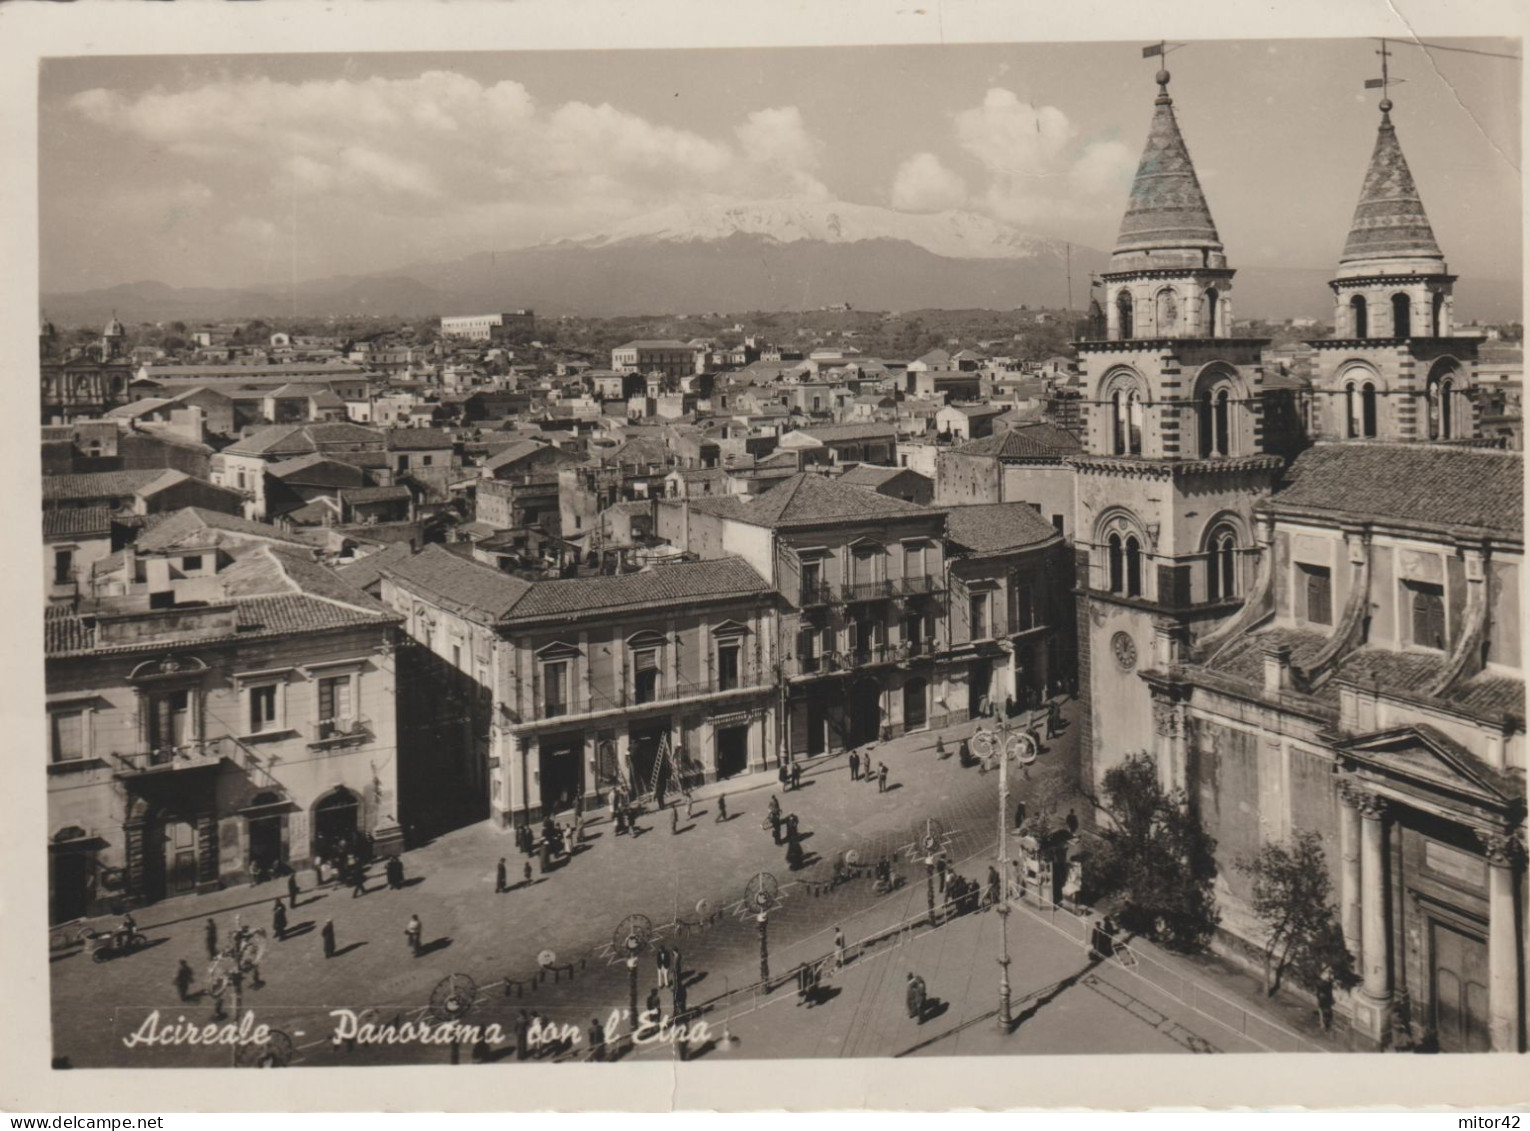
671 358
862 582
229 705
565 689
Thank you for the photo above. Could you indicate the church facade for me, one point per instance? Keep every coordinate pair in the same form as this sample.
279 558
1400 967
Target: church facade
1331 646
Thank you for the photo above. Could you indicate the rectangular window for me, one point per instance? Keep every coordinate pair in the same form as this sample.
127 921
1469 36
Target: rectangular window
335 707
978 616
645 680
263 708
728 666
68 735
1023 617
192 563
457 656
1316 590
1427 608
63 566
167 716
812 581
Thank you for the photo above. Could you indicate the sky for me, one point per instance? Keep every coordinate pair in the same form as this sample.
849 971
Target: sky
228 171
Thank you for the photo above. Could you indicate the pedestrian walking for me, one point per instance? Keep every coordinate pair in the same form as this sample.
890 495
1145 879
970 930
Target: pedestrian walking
279 920
544 858
358 879
412 933
722 810
183 978
674 820
993 885
292 889
526 872
654 1004
775 825
855 766
327 932
804 982
796 775
881 777
1054 719
661 963
791 826
597 1038
500 876
678 999
1019 813
915 997
940 748
210 935
783 777
1072 822
839 948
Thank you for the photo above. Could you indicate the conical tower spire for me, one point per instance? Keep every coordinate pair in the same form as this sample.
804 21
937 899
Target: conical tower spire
1167 211
1390 222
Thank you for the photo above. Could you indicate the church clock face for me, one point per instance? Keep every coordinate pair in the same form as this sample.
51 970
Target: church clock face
1125 649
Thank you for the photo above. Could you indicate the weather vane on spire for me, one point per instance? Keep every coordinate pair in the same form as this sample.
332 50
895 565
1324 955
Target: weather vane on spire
1161 50
1385 81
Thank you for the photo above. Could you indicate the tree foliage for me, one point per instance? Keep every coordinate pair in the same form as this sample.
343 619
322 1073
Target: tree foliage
1156 856
1292 897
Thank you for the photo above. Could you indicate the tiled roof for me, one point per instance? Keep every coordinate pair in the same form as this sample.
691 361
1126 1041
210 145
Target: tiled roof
1405 672
872 475
374 494
1030 441
76 522
1433 485
195 526
1389 220
656 344
299 439
1167 208
474 590
997 527
1243 658
1492 695
828 433
807 499
681 583
97 484
419 439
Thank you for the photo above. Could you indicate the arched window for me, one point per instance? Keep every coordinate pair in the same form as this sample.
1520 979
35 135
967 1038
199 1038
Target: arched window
1437 317
1447 395
1368 410
1351 411
1221 423
1134 422
1203 413
1402 316
1166 312
1118 421
1357 319
1432 408
1209 313
1133 567
1114 551
1221 565
1124 313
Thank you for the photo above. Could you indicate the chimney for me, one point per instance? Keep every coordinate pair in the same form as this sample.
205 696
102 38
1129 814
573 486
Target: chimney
1277 668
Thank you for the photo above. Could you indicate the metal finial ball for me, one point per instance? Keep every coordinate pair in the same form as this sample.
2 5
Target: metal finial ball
1162 78
1386 105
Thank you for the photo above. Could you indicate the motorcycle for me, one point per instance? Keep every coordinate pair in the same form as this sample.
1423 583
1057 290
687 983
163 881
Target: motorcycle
101 945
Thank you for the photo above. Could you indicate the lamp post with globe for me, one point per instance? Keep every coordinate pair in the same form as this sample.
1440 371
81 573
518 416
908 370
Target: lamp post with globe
630 939
760 898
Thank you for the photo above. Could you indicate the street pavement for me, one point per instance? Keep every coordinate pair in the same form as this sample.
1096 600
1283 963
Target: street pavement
496 939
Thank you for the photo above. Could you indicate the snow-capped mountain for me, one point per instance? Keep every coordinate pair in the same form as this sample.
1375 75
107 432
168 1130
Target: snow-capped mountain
794 219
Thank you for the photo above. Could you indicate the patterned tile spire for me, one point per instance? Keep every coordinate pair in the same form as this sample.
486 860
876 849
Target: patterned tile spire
1389 221
1167 209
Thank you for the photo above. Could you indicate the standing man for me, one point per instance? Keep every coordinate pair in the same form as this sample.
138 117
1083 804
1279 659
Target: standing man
722 810
279 920
796 775
775 821
526 873
597 1040
412 933
183 981
1054 718
881 777
915 997
292 889
855 766
674 820
661 963
839 948
500 877
358 879
327 932
210 935
544 857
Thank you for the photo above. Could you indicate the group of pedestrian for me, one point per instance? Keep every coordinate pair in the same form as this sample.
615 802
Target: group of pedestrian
790 776
809 979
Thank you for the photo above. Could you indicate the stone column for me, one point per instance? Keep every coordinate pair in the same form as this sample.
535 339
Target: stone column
1503 958
1372 1014
1349 866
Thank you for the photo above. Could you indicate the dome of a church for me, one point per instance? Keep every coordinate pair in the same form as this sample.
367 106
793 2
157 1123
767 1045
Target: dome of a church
114 328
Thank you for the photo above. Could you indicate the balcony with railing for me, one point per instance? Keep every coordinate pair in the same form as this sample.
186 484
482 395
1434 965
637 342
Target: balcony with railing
628 698
197 754
868 590
332 733
832 663
815 593
918 585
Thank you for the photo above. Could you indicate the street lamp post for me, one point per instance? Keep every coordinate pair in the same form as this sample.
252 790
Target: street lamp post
760 896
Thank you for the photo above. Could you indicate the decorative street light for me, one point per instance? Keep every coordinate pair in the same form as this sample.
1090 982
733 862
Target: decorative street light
452 1000
1000 746
760 897
929 835
631 938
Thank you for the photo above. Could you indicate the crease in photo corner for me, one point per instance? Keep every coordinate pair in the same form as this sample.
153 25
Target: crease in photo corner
1118 972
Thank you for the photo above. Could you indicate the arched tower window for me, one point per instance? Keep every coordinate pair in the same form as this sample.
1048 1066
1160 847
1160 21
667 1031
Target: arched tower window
1221 423
1166 312
1437 316
1118 421
1209 313
1113 551
1357 318
1124 313
1221 564
1133 567
1447 396
1134 423
1432 407
1402 316
1368 410
1351 411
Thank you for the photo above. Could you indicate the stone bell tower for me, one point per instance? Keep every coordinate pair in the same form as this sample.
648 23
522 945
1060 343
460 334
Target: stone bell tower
1174 451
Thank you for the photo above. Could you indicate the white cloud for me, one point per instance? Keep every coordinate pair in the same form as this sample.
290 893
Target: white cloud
1014 138
1103 167
923 184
